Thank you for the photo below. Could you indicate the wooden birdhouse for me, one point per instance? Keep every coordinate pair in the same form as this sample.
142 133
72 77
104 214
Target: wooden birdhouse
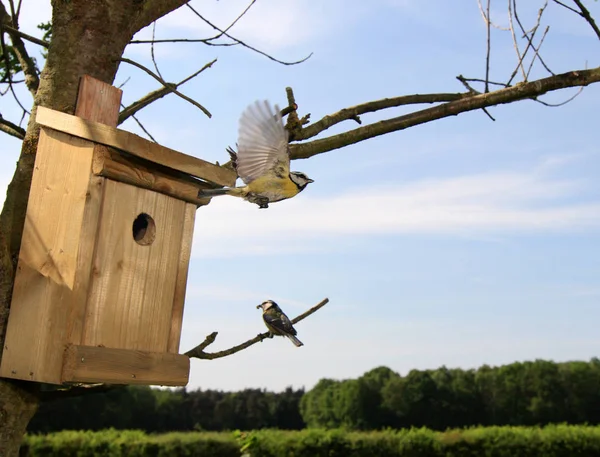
100 285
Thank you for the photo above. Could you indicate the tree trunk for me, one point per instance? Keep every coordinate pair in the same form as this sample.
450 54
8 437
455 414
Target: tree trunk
89 37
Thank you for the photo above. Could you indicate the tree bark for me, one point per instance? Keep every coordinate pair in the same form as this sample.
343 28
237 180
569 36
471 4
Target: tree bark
89 37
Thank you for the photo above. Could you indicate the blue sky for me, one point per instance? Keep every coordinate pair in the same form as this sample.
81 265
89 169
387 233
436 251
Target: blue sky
457 243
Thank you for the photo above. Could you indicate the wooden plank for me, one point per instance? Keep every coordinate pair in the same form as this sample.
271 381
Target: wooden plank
135 145
132 287
181 281
114 165
88 238
56 203
98 101
122 366
48 260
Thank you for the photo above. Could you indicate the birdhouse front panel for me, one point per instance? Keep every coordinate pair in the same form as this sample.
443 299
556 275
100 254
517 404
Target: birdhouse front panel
137 275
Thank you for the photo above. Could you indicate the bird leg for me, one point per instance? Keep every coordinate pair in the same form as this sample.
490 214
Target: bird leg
262 202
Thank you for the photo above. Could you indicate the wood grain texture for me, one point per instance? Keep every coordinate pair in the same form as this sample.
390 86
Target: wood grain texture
181 280
122 366
131 294
98 101
114 165
55 208
49 258
135 145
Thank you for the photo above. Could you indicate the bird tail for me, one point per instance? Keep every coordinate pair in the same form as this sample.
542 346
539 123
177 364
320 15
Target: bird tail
213 192
295 340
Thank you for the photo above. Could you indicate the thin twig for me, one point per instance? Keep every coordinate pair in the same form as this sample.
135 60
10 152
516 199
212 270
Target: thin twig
243 43
567 7
141 125
198 351
488 50
526 34
170 86
588 17
184 40
461 78
156 95
152 50
555 105
487 19
515 43
536 53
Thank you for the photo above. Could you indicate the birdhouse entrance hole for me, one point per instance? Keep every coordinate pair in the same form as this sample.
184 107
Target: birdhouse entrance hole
144 229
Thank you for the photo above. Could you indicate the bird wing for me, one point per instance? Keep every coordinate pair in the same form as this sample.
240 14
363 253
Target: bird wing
280 322
262 142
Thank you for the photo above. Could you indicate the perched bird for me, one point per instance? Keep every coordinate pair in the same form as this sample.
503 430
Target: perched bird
263 159
277 322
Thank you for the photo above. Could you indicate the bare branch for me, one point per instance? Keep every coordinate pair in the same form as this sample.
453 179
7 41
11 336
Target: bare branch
12 30
198 351
488 49
11 129
169 86
30 70
353 112
76 391
555 105
488 19
529 90
223 32
156 95
515 43
152 50
588 17
184 40
530 41
151 10
567 7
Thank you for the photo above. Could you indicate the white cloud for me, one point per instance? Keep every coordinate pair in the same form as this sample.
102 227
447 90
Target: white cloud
491 203
269 24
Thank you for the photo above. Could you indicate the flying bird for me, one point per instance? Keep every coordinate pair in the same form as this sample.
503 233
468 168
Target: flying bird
277 322
263 159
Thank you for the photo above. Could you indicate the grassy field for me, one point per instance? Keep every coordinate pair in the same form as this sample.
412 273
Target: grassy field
550 441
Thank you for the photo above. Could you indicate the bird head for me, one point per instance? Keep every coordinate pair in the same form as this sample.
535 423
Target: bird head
267 305
300 179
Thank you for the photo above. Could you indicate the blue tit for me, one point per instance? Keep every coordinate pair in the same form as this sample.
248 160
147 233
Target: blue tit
263 159
277 322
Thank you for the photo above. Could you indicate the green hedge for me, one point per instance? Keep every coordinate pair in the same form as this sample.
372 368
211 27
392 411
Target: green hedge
130 443
550 441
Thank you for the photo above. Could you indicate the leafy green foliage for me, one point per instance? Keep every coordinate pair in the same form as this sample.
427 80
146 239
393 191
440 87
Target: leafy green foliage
154 410
46 27
550 441
529 393
13 67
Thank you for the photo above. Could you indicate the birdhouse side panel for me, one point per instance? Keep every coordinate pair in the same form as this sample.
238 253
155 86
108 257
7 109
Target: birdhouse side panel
50 259
134 269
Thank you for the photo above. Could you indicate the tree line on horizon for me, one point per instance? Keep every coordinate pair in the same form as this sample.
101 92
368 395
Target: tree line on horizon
521 393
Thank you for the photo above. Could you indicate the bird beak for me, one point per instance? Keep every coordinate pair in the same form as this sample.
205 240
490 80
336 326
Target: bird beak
259 306
311 180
